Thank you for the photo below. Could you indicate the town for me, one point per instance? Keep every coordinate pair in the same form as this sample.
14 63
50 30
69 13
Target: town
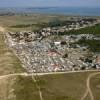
39 53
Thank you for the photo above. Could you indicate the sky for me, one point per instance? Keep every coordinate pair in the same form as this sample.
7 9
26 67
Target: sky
49 3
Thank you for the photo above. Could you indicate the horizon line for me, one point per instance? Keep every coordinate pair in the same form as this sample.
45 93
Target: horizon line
51 6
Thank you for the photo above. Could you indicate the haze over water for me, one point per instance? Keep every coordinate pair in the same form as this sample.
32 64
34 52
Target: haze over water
77 11
80 11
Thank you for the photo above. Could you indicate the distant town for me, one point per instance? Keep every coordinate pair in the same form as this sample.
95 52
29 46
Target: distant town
52 50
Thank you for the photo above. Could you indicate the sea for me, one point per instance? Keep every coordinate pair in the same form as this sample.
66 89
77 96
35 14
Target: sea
74 11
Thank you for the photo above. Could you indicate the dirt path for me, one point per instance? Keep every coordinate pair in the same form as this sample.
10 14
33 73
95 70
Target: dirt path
11 75
88 90
38 87
25 74
49 73
2 29
85 95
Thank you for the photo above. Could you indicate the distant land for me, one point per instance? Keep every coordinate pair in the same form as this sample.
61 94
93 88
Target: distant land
77 11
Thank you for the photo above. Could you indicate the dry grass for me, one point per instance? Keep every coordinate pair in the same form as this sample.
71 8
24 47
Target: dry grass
6 90
8 21
25 89
9 63
63 87
53 87
95 85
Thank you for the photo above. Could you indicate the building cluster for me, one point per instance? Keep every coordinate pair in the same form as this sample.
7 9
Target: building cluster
74 24
67 26
53 56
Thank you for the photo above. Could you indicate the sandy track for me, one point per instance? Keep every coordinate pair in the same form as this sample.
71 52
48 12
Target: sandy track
2 29
49 73
88 90
38 87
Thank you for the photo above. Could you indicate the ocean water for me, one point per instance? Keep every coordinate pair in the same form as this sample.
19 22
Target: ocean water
77 11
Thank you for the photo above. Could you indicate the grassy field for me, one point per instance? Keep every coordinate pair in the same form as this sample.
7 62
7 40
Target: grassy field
53 87
18 88
5 88
30 21
25 89
63 87
58 87
9 63
95 85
